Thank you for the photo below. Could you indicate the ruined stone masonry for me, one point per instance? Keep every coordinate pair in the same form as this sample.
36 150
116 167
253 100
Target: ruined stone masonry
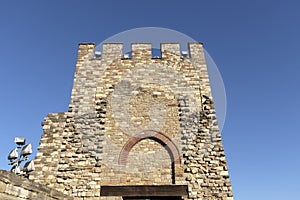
14 187
137 127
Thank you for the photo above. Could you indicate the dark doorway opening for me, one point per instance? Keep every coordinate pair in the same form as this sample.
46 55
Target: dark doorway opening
143 192
152 198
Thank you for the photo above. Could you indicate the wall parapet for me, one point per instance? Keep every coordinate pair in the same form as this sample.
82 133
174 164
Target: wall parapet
14 187
113 51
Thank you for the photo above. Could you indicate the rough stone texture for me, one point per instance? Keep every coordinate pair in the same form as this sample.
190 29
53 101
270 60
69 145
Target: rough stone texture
136 121
13 187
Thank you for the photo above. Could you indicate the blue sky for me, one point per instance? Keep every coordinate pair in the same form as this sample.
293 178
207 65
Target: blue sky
255 45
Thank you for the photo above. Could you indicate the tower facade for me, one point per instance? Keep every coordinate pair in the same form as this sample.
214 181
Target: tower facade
138 127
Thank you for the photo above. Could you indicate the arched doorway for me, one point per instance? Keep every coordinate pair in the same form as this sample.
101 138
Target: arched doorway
160 138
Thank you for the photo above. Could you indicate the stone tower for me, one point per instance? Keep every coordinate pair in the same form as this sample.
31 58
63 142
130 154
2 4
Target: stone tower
138 127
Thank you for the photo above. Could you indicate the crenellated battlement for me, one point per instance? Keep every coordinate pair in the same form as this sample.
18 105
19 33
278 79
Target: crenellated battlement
111 51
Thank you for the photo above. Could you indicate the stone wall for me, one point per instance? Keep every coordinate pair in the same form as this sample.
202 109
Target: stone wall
13 187
135 121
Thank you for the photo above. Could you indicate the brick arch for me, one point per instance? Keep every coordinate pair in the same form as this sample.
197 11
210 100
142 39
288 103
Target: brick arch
159 137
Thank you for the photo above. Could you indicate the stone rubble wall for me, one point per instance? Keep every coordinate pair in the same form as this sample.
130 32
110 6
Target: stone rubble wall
14 187
62 162
115 104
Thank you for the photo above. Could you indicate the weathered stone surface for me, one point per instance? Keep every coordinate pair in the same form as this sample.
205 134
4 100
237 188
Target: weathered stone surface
135 121
13 187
